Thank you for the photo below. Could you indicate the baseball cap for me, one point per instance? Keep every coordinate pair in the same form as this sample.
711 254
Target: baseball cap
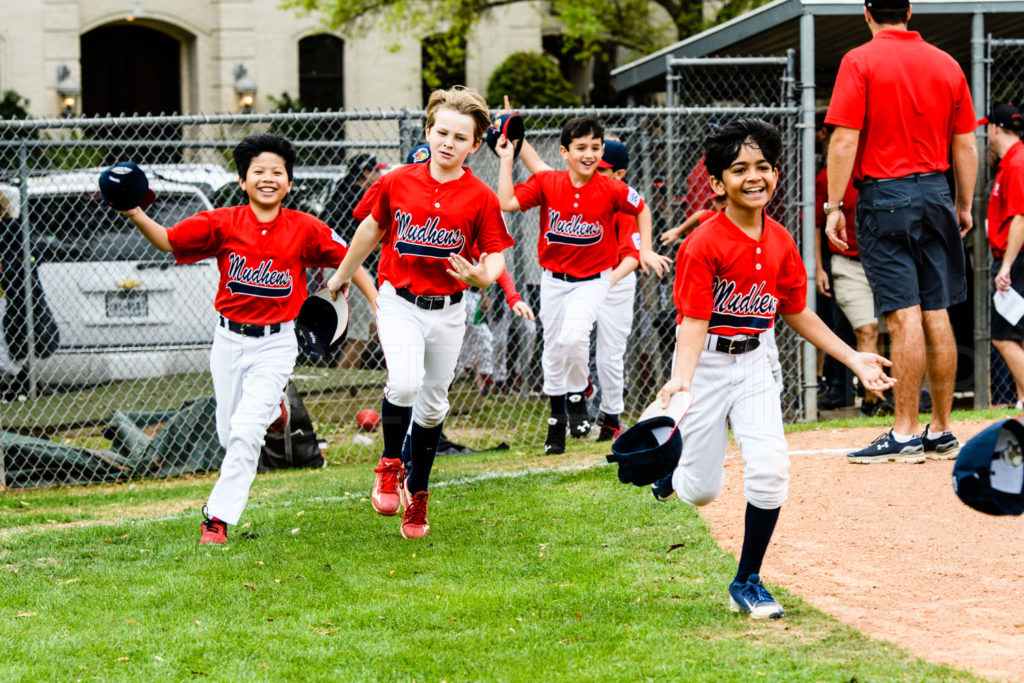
1004 115
418 154
887 4
616 155
125 186
650 449
989 470
322 324
363 162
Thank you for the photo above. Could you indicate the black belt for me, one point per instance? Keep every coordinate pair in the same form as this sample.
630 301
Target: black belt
429 302
867 181
735 347
565 277
249 329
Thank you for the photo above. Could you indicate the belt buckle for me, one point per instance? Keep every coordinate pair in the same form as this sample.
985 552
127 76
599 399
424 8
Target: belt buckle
734 347
242 329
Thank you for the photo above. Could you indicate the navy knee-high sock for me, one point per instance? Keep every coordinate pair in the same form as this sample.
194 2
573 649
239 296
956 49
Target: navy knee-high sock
558 406
424 448
759 525
394 422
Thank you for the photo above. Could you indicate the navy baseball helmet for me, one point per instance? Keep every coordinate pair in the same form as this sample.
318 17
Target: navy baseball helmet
322 323
509 125
418 154
124 186
616 155
650 449
989 471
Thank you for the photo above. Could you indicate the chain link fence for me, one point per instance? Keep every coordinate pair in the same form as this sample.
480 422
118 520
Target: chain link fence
1005 84
106 365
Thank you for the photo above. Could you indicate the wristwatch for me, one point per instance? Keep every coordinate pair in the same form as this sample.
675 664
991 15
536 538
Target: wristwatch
829 208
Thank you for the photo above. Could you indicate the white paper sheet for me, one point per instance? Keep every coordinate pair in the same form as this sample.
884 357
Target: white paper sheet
1009 304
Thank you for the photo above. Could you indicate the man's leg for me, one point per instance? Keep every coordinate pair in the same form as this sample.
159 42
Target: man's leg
906 332
867 342
941 357
1012 352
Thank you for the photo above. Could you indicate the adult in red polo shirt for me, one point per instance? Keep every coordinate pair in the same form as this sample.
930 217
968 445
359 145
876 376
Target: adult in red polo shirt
900 107
1005 227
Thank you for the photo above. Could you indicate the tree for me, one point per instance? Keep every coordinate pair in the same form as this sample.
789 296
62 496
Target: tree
589 26
530 80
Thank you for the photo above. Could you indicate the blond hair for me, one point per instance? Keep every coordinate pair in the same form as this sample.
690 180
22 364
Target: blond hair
462 100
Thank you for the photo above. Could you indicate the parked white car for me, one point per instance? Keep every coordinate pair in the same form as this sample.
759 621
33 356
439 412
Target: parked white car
123 309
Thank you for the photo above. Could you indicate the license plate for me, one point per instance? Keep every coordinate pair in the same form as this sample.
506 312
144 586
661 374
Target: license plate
127 304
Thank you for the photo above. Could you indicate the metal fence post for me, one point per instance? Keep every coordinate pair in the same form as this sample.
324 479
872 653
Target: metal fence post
27 264
982 290
808 227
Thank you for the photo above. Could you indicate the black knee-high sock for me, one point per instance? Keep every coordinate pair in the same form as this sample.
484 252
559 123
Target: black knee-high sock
394 422
558 406
757 532
611 420
424 448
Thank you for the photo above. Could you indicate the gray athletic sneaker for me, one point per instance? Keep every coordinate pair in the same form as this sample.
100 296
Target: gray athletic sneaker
887 449
942 447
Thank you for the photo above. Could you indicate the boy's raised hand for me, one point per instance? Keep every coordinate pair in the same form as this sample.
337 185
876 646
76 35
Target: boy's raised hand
870 368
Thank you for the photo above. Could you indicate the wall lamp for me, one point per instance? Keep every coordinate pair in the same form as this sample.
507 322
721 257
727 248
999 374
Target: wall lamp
68 91
245 89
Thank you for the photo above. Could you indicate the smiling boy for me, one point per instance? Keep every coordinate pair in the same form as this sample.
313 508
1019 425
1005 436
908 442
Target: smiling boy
578 248
262 251
739 269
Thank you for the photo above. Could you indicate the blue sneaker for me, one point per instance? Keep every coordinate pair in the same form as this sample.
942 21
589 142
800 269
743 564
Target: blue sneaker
662 489
887 449
942 447
754 599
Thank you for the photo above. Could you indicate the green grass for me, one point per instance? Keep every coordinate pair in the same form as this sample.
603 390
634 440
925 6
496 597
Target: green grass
536 575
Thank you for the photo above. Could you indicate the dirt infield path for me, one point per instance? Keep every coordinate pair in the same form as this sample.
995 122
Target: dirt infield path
891 551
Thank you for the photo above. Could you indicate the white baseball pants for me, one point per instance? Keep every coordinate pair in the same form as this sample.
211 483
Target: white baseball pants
737 391
421 349
614 323
249 375
568 311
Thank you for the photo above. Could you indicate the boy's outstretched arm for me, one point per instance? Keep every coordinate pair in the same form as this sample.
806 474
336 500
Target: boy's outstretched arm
689 344
506 188
528 155
868 366
364 282
155 233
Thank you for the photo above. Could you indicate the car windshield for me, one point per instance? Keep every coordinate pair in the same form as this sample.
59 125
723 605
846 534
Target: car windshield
79 228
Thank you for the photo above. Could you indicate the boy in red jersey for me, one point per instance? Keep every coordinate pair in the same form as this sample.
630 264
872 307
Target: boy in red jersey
262 251
738 269
577 248
443 231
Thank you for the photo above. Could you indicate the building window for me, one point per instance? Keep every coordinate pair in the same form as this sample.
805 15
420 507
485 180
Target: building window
322 72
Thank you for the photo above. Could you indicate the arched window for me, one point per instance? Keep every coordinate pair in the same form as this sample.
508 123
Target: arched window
322 72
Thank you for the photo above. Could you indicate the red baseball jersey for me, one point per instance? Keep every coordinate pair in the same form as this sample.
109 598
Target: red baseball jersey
849 212
737 283
1007 198
699 194
629 236
262 265
366 202
425 222
919 100
577 224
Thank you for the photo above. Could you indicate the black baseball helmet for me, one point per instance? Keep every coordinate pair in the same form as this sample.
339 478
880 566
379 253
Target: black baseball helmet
124 186
322 323
650 449
509 125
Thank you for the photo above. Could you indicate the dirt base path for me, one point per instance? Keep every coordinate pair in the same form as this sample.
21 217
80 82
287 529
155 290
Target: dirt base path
891 551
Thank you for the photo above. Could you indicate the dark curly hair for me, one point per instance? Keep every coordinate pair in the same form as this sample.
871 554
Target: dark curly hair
580 126
256 144
723 146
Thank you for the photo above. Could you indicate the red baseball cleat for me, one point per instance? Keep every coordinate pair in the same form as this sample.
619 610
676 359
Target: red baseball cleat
214 531
414 518
385 496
